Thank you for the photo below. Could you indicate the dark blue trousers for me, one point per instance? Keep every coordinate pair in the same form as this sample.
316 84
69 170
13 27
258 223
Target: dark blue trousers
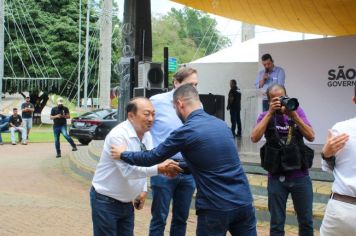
302 196
239 222
110 216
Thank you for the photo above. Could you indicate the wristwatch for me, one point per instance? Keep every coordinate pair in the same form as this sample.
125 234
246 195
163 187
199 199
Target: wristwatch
329 160
326 158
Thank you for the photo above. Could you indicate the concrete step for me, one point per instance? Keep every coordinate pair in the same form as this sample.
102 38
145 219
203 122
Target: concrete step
321 189
258 181
262 214
95 148
81 168
83 162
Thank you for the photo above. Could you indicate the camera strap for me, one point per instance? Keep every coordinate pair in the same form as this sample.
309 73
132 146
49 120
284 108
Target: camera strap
290 131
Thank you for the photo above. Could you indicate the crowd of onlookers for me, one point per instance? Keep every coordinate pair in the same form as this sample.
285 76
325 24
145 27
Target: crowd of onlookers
22 124
17 123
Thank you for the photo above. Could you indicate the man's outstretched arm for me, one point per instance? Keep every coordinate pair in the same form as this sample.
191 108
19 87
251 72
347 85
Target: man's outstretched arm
172 145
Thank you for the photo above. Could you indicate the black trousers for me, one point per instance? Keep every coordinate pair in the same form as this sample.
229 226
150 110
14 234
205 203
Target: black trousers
235 119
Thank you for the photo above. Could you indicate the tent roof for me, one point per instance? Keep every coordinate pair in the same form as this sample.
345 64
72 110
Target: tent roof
325 17
241 52
247 51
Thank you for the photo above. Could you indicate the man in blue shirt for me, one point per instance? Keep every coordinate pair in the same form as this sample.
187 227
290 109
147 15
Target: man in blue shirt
271 74
165 189
223 199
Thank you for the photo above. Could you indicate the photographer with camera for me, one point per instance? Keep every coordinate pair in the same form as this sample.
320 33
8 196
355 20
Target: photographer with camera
286 158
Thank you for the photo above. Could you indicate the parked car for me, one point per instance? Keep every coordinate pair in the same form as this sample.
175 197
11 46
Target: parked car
93 125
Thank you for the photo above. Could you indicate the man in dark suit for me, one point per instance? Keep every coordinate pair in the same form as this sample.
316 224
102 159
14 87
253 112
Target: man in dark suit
234 105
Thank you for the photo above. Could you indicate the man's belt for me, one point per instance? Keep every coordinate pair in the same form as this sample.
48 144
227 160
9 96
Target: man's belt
108 198
343 198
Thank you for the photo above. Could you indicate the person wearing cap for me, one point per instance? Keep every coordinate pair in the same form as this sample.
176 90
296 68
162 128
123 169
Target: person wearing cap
59 115
15 124
27 112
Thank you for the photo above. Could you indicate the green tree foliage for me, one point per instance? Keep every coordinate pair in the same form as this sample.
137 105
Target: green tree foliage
50 29
188 33
41 31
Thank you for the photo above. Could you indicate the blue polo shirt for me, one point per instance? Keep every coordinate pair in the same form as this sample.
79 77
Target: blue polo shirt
275 76
166 119
208 147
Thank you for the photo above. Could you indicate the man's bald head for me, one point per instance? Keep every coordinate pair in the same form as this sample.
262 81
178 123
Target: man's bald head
133 104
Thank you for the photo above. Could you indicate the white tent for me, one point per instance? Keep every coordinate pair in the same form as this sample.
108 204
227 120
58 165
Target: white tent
239 52
239 62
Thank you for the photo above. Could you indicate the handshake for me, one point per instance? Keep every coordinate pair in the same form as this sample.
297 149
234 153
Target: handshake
168 168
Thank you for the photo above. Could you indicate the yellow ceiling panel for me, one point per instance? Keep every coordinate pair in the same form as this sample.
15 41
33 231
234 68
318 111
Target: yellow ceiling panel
327 17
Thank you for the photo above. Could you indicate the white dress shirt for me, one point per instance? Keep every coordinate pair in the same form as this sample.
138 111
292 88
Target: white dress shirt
345 162
115 178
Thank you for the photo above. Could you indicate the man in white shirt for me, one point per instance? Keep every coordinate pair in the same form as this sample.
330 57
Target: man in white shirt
116 184
339 156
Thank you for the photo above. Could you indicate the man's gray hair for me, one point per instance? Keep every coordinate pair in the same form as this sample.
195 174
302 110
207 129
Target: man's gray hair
186 92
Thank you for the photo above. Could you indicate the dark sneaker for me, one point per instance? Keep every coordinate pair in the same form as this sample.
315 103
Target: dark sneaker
58 156
74 149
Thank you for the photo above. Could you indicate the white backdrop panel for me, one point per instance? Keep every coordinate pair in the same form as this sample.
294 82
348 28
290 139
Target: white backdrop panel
307 64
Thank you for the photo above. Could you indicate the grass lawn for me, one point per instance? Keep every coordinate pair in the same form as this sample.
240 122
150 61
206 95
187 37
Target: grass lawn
38 134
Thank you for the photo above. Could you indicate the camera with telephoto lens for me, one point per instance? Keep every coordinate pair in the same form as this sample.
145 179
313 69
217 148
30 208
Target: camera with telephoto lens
291 104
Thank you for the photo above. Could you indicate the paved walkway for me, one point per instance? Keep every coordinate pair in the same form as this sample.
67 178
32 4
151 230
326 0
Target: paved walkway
39 197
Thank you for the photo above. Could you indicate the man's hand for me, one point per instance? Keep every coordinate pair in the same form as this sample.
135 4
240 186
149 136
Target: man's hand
292 114
334 144
140 200
274 105
262 81
116 151
169 168
265 77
